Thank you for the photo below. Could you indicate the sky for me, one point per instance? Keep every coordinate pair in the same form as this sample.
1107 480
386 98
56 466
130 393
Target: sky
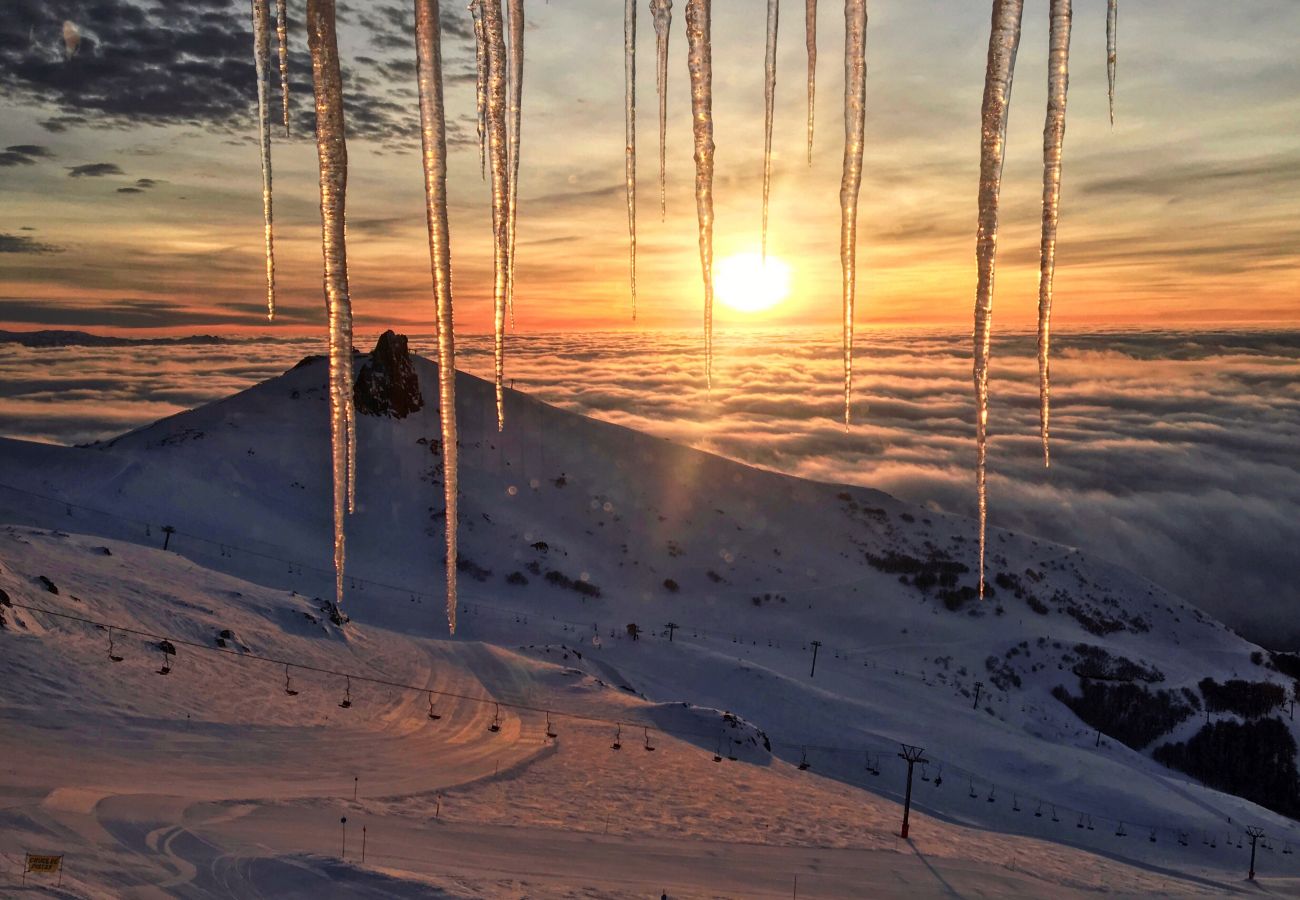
131 185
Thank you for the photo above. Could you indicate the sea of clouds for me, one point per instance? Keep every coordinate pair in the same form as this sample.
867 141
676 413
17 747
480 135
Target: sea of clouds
1176 454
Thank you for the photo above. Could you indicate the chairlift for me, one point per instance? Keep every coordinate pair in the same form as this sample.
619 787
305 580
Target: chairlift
618 739
1015 803
496 719
1286 851
1239 844
1152 837
731 750
433 714
1038 813
938 777
925 773
1120 832
550 729
992 798
649 746
972 789
1090 828
288 683
166 668
346 702
1080 822
1182 838
803 760
111 655
1054 816
717 754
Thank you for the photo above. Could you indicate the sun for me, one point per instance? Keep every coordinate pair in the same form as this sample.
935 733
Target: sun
745 284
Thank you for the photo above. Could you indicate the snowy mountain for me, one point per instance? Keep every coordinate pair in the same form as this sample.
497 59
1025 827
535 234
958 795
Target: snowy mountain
610 574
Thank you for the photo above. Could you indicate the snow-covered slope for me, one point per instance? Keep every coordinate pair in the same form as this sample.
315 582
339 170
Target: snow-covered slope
573 529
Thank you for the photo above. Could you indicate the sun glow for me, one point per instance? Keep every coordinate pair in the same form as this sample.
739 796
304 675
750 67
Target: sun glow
745 284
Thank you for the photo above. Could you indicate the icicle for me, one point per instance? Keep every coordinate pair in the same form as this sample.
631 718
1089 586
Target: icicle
769 103
282 37
810 38
515 14
699 56
662 13
262 65
331 148
855 102
433 131
1058 83
1112 24
494 35
1004 41
480 81
629 127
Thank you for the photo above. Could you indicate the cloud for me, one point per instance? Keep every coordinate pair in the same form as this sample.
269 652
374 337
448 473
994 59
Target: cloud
19 243
94 170
191 64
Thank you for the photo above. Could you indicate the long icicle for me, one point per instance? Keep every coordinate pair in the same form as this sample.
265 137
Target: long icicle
282 37
1004 41
769 108
1058 84
433 133
661 11
515 18
262 66
855 103
1112 25
699 56
332 151
810 38
493 30
480 82
629 129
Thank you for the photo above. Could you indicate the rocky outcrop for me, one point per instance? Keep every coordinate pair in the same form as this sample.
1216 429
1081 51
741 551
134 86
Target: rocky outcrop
387 384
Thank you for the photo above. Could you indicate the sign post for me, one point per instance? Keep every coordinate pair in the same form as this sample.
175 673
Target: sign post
46 864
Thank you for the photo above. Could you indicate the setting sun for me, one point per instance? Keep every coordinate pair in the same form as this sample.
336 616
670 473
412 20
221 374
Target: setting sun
746 285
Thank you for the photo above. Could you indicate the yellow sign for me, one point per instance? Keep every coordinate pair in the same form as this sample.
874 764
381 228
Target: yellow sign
41 863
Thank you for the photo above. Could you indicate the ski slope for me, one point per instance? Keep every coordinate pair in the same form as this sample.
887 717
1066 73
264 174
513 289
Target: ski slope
212 781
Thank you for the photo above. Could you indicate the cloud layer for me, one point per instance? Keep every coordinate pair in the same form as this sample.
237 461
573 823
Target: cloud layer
1174 453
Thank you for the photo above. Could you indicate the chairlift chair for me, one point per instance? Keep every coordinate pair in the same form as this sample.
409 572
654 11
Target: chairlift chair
717 754
731 750
346 702
992 798
938 777
649 746
1120 832
1015 803
1038 813
166 667
972 790
925 773
1152 837
288 683
111 654
433 714
618 739
496 719
1054 816
1080 822
803 760
550 729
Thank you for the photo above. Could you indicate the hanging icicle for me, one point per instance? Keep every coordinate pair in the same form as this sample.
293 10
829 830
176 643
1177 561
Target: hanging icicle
629 128
1058 83
515 18
1004 41
262 66
282 37
810 38
498 161
331 148
1112 25
699 56
480 81
433 134
855 103
769 105
661 11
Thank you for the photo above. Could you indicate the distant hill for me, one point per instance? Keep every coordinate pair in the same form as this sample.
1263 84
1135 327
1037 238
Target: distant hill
59 338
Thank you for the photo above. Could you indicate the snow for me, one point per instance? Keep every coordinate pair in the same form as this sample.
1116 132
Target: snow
214 780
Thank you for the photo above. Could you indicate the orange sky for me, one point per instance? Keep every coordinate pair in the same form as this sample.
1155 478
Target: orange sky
1185 213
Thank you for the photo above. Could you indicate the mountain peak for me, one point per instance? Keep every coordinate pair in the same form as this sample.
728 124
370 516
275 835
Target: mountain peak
387 384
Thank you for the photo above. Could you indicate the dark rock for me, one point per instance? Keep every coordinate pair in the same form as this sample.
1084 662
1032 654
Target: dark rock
47 584
387 384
